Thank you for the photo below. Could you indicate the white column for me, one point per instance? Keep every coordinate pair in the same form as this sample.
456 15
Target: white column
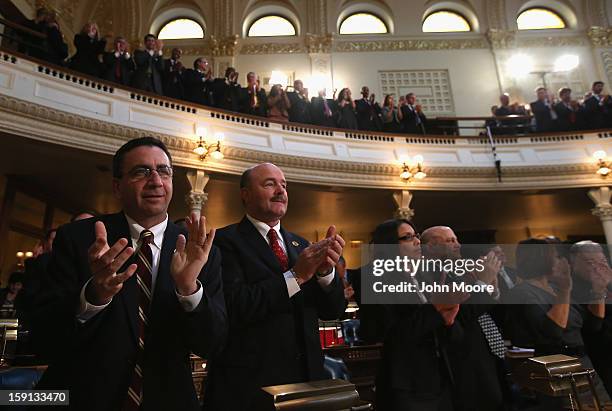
402 200
603 209
197 197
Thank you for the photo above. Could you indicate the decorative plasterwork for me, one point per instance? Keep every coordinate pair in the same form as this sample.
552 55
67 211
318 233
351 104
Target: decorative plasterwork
506 39
224 46
496 12
600 36
501 39
318 44
406 45
272 48
606 58
59 127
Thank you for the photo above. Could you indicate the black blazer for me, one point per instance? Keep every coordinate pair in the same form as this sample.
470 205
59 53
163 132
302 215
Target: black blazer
543 118
86 58
226 95
148 74
300 108
367 114
95 360
409 121
197 88
245 102
173 80
597 116
317 112
109 66
273 339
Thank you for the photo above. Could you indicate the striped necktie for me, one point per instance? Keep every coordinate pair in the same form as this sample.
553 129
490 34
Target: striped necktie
278 251
144 261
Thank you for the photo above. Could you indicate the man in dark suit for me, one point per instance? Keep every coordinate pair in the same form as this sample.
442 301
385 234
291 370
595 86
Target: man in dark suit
299 112
542 109
173 75
323 110
598 108
253 99
226 91
117 65
197 82
477 359
413 118
367 111
276 287
149 66
569 113
128 297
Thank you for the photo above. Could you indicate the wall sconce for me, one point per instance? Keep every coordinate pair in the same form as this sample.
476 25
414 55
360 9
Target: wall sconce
413 168
204 149
21 257
602 165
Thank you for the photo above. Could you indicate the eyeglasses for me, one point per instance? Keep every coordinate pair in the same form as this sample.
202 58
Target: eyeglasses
409 237
141 173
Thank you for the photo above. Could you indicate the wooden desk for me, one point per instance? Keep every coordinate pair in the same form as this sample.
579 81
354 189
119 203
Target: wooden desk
362 362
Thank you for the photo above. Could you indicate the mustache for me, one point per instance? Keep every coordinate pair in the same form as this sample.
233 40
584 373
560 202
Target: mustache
279 198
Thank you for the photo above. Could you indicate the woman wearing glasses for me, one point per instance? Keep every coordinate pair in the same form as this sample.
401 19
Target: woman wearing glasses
414 372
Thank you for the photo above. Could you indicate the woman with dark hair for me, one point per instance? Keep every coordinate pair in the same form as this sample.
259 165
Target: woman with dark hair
278 104
391 115
414 373
89 47
543 317
346 110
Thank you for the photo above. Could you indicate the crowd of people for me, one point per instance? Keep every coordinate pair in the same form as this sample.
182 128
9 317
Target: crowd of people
248 297
551 114
148 70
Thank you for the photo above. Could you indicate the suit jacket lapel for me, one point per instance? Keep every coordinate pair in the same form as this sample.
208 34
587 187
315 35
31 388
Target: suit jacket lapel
259 245
117 228
292 245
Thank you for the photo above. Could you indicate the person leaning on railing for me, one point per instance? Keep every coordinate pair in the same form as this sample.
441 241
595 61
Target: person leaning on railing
278 104
118 65
29 43
89 47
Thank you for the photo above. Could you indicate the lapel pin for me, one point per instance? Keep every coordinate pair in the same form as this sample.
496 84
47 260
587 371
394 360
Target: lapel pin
295 243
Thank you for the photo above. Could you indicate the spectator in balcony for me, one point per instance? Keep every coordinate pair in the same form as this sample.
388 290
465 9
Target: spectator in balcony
391 115
323 110
300 104
30 44
173 75
545 116
118 65
413 118
197 82
253 97
346 117
598 107
57 49
569 112
278 104
368 111
149 66
226 91
89 47
504 108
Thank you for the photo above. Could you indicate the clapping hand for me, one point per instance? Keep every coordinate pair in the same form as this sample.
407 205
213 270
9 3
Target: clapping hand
334 251
191 255
104 261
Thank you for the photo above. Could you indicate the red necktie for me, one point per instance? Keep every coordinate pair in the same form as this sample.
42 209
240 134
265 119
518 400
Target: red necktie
278 250
144 260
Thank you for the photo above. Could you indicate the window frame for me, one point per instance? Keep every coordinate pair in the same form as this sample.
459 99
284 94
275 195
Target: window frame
452 11
256 19
162 26
550 10
364 34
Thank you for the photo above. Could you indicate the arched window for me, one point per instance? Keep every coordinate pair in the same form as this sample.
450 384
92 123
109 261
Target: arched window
445 21
539 18
181 29
363 23
267 26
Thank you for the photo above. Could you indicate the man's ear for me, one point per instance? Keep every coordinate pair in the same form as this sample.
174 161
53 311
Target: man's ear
244 195
116 190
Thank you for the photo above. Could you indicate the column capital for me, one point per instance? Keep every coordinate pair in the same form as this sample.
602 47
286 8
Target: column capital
196 201
402 199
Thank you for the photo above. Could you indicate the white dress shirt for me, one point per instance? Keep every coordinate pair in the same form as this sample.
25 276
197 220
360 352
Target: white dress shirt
189 303
292 284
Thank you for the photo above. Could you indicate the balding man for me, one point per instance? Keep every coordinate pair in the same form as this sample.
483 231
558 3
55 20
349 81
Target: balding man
277 286
476 361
